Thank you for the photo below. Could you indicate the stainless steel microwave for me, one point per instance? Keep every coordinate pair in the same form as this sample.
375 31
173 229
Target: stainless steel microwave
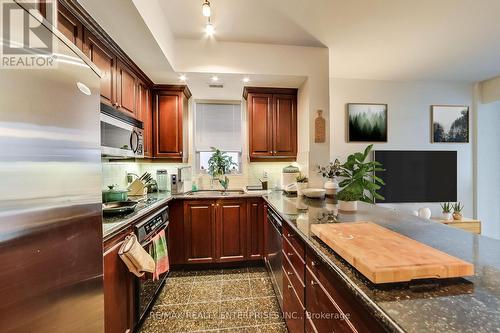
121 136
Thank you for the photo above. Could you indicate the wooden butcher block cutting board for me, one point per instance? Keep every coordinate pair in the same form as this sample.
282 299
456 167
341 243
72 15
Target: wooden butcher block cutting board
384 256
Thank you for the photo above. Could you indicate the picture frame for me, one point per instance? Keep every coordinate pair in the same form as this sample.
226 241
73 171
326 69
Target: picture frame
450 124
367 122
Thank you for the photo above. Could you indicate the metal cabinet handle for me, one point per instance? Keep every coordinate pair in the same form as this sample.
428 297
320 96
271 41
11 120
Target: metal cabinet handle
213 205
289 235
289 273
289 254
314 283
313 263
290 286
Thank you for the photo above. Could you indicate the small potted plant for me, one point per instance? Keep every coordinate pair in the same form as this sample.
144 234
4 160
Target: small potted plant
330 172
302 183
457 211
219 164
348 200
446 207
359 181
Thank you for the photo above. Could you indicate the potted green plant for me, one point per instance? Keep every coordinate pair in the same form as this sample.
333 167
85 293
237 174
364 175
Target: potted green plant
219 164
446 207
359 181
457 211
301 183
330 172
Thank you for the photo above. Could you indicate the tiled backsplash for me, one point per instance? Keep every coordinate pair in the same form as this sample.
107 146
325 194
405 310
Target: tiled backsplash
115 173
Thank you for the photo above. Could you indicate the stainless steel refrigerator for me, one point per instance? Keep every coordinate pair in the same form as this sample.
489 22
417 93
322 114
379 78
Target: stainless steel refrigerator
51 275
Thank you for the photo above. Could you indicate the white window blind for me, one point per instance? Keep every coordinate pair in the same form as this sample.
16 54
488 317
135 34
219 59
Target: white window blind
218 125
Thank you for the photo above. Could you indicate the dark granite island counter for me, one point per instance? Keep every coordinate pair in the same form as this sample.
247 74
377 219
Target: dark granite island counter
469 304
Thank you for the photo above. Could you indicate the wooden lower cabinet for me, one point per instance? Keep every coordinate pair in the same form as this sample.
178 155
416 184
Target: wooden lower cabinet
216 231
293 310
230 230
119 314
255 229
199 231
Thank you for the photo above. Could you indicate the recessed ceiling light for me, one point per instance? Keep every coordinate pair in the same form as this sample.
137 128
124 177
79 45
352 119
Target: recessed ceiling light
209 28
215 78
182 77
205 8
246 79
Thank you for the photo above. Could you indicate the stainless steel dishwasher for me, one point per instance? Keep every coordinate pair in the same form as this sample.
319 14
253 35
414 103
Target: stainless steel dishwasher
274 254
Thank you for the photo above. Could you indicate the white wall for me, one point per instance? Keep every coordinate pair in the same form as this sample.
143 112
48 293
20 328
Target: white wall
409 123
488 162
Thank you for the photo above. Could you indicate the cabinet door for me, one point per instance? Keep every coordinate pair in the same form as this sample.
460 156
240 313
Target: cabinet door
255 229
118 293
285 125
199 231
293 309
260 114
231 230
144 114
125 89
69 26
105 60
168 124
319 303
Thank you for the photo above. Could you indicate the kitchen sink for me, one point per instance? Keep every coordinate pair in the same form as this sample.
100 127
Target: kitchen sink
208 193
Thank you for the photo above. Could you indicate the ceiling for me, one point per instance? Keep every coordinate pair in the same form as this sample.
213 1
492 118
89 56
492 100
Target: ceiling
375 39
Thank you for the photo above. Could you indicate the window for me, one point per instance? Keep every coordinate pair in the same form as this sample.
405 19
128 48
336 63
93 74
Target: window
217 125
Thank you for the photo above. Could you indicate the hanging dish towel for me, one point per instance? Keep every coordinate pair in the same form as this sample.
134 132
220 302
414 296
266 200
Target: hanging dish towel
159 253
135 257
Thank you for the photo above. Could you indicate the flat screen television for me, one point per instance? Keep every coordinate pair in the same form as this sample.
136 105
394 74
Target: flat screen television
417 176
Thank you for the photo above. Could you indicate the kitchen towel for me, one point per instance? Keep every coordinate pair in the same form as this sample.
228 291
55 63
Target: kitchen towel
135 257
159 253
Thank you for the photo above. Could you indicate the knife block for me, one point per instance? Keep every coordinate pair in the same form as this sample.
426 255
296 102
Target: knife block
137 188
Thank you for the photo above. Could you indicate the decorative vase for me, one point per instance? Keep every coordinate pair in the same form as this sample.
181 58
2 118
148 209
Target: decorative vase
348 206
447 216
425 213
300 187
331 186
457 216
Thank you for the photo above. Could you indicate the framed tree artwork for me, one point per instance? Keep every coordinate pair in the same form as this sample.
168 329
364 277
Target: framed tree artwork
366 122
450 123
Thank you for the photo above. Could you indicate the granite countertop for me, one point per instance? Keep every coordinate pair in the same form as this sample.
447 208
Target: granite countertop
113 224
469 304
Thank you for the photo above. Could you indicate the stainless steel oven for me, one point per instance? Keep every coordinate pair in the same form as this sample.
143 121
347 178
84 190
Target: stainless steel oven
121 136
274 254
146 288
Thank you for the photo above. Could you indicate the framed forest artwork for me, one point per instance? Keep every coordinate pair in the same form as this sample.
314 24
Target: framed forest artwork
450 123
366 122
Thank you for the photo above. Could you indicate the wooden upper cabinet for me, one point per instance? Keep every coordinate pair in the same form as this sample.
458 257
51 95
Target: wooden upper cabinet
272 123
170 121
105 60
199 231
260 116
231 230
69 26
126 83
285 125
145 114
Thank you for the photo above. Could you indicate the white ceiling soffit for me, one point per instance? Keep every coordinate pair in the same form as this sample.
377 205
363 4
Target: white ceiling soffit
122 21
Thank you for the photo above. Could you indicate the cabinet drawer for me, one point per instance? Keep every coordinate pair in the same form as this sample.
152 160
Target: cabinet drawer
358 317
297 261
323 312
294 240
297 284
292 308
